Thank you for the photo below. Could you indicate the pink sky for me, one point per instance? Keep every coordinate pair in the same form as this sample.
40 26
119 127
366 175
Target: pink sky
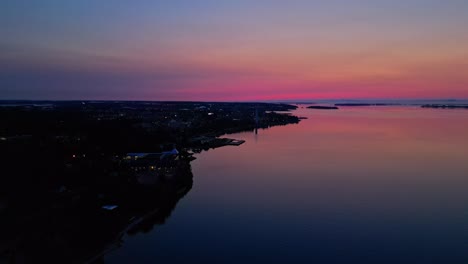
235 51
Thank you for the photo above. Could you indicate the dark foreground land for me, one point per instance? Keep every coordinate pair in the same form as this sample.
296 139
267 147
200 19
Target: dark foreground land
77 176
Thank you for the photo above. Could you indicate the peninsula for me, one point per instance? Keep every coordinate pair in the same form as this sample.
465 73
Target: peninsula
105 168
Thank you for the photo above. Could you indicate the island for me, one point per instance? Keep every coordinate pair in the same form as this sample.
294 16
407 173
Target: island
322 107
445 106
364 104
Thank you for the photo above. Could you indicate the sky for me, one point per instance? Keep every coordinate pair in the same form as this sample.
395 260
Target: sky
243 50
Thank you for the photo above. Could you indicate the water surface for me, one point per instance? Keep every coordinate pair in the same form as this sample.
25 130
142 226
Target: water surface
355 185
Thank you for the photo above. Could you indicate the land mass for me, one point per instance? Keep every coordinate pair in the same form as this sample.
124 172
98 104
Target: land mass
97 169
364 104
445 106
321 107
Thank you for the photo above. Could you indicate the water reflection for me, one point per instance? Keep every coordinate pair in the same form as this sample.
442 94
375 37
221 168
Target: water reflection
358 185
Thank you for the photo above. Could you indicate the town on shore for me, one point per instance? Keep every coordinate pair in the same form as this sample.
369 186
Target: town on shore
79 175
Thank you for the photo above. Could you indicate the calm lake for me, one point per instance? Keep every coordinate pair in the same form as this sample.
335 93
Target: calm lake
354 185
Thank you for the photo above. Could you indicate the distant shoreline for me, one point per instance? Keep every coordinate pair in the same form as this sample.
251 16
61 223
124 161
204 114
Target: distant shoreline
318 104
445 106
322 107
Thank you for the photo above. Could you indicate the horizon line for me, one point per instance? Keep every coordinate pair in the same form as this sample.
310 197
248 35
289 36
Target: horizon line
239 101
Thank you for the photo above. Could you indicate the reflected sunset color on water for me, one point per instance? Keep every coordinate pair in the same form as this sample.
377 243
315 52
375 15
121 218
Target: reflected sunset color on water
355 185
